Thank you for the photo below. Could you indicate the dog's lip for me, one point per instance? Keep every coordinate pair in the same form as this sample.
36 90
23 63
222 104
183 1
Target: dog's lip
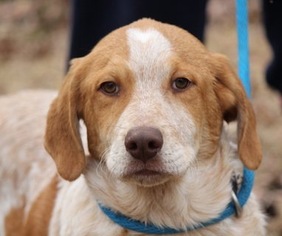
147 176
147 172
138 168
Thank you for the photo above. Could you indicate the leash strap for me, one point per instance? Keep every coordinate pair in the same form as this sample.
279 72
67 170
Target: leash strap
243 44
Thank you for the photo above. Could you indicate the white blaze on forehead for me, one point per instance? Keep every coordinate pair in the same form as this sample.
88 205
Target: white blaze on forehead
149 51
149 54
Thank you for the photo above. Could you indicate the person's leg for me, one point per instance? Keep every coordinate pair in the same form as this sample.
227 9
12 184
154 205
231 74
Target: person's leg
189 14
272 15
90 21
93 19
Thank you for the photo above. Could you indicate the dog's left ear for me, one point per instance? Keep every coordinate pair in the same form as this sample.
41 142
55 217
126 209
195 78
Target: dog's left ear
235 105
62 137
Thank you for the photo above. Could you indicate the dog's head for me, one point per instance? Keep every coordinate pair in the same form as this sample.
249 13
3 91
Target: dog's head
153 100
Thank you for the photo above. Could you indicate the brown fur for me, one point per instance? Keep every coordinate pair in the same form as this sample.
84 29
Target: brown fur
40 213
14 224
249 145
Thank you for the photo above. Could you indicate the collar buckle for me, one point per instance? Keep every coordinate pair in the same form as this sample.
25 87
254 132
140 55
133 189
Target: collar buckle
238 207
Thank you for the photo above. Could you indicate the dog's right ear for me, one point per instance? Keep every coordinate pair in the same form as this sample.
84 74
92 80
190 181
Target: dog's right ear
236 106
62 137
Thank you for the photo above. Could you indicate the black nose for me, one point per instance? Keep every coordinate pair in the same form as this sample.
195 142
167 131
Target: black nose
143 143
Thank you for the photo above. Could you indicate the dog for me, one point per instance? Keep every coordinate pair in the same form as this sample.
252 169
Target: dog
139 142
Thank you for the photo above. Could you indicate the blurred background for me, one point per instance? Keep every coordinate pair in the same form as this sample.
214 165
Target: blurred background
34 43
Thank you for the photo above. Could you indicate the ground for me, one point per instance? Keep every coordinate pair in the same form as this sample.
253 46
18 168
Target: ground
33 52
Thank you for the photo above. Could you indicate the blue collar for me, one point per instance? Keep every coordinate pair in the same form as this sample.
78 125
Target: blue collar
147 228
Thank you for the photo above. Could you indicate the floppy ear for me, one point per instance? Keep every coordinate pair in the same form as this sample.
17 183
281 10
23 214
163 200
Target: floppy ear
62 137
235 105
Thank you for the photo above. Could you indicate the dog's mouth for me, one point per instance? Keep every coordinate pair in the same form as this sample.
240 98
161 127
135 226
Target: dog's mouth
146 176
146 172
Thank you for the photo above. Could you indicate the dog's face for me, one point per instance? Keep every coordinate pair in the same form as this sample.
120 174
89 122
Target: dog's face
153 100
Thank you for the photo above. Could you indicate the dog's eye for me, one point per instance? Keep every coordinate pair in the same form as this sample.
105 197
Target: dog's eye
181 83
110 88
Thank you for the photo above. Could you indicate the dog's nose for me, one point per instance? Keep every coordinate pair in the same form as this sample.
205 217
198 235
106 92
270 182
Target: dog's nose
143 143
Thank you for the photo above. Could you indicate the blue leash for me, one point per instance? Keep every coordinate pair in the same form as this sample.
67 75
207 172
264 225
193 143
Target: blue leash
243 44
148 228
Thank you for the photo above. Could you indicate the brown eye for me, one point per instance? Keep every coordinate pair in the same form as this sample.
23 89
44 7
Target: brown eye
181 83
109 88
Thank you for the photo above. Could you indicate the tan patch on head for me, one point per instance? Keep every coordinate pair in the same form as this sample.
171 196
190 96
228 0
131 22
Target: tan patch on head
81 98
101 111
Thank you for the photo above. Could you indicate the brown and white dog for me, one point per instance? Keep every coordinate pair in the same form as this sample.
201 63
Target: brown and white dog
154 102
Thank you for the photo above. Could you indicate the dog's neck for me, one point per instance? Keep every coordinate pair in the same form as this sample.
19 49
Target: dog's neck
200 195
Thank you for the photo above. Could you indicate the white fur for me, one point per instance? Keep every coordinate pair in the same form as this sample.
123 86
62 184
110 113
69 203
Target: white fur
75 202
